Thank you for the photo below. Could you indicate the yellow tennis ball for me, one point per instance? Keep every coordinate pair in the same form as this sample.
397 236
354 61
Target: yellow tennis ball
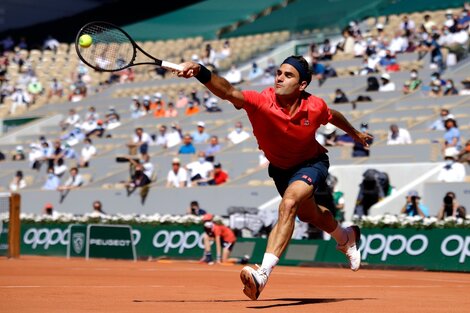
85 41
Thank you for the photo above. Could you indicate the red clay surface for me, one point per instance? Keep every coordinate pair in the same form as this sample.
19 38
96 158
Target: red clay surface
45 284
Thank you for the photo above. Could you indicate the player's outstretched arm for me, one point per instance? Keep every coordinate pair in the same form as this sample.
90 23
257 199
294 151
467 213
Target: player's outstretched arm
219 86
340 121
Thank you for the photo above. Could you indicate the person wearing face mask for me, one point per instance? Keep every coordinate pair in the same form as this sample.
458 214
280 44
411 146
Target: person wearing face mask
238 134
452 171
439 124
52 181
436 89
340 96
450 88
191 109
413 83
199 170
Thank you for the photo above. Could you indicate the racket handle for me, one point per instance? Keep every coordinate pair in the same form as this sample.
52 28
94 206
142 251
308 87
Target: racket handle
172 66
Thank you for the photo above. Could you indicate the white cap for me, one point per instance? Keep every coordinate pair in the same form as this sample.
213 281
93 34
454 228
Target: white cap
450 116
176 160
158 95
449 12
19 148
201 123
146 97
135 97
379 26
385 76
194 57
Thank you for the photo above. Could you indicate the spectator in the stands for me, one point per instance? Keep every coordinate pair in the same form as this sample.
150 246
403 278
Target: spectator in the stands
51 43
112 119
98 209
340 96
19 154
359 150
271 68
213 148
234 75
140 140
439 124
450 89
88 152
18 182
192 108
72 120
182 100
238 134
398 136
255 72
452 171
465 91
187 147
177 176
452 137
326 50
218 176
318 70
372 84
200 135
175 136
20 98
135 108
407 26
200 169
52 181
413 83
436 89
399 43
35 89
387 84
171 111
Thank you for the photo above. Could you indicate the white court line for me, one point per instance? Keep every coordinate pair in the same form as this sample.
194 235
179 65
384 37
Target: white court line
93 286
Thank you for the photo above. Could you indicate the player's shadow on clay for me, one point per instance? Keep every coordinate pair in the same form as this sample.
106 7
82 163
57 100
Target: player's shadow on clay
284 301
299 301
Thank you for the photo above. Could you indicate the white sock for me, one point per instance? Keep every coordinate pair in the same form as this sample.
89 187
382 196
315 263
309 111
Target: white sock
269 262
340 235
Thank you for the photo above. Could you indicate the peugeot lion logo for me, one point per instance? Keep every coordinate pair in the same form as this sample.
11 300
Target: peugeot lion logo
78 240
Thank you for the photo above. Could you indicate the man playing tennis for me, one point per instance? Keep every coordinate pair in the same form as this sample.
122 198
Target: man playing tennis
284 120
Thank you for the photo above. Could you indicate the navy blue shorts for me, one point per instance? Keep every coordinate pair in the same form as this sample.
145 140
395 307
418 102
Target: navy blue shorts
313 172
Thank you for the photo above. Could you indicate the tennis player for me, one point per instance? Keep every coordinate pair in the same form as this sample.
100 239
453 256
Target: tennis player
284 119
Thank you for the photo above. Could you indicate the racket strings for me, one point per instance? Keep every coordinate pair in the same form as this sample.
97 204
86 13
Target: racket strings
111 49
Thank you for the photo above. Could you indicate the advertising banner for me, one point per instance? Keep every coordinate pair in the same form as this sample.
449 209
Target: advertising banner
433 249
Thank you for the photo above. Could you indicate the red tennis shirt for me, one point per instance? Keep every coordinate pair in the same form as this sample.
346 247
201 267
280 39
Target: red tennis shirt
286 140
225 233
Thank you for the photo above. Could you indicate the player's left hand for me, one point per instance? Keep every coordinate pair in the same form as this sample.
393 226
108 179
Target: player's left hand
364 138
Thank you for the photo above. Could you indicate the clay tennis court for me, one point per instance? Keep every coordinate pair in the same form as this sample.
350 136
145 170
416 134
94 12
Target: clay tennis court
46 284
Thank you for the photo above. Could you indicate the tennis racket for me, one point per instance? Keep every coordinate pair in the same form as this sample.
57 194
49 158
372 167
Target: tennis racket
112 49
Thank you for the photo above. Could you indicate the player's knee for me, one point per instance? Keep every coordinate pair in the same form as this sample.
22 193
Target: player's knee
288 208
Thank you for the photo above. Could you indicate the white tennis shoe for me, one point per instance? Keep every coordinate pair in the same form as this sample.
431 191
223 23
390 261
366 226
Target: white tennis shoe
254 281
351 247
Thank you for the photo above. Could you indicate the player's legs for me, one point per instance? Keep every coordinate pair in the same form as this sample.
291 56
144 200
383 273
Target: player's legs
347 238
279 238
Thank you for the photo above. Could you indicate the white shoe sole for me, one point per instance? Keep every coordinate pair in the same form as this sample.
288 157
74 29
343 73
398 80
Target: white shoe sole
251 286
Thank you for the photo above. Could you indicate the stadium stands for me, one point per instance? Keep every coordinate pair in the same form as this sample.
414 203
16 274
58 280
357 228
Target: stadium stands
249 183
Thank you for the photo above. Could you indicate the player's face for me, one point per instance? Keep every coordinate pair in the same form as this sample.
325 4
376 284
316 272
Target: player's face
287 81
